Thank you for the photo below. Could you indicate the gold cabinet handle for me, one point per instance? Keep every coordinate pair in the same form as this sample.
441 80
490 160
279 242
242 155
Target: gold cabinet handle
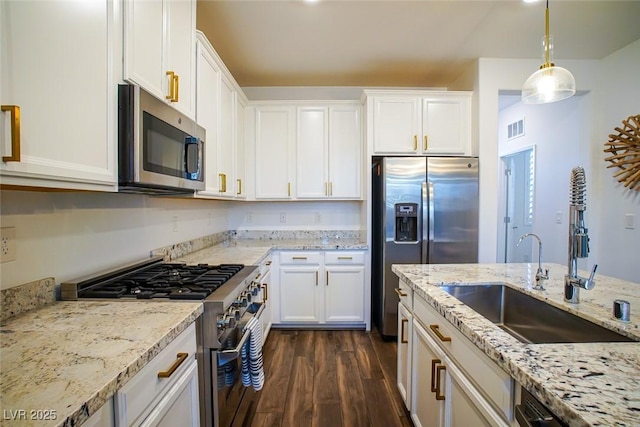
439 394
299 258
403 339
326 188
181 357
176 88
436 330
399 292
426 142
265 286
288 189
172 85
268 263
316 278
330 188
15 133
223 182
239 181
345 258
434 362
415 142
327 278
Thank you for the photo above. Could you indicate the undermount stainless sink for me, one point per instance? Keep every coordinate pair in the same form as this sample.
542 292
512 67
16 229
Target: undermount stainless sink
528 319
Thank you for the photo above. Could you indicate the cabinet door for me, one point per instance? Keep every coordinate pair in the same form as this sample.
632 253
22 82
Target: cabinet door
345 142
103 417
274 145
208 102
446 127
397 124
426 410
344 293
241 182
180 405
311 152
67 108
144 46
226 144
300 294
404 354
180 40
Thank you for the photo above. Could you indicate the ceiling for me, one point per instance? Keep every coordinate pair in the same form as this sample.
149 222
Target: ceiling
393 43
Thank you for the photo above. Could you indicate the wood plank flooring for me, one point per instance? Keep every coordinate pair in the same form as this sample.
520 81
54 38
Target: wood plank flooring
326 379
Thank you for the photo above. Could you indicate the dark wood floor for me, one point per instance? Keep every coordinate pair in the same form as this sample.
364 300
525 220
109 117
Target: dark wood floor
326 379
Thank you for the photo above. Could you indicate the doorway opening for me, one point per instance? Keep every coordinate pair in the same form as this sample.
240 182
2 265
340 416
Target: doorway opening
517 205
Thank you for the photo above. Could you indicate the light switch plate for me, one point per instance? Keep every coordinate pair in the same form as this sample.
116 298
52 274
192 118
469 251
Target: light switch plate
629 221
7 244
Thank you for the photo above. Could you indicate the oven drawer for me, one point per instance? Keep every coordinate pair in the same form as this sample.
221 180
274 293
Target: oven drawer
144 391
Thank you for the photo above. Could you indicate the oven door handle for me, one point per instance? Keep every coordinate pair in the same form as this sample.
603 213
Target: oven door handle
226 356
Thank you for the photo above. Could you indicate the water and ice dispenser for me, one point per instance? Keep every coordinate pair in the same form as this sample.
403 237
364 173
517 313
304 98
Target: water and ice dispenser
406 222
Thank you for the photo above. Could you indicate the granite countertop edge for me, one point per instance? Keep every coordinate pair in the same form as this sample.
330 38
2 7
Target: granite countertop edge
118 372
541 368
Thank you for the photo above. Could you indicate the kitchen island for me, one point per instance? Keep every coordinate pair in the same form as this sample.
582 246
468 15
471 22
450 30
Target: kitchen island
60 363
587 384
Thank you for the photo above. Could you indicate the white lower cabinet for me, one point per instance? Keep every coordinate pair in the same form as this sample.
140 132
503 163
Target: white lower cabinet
452 383
405 329
165 391
320 287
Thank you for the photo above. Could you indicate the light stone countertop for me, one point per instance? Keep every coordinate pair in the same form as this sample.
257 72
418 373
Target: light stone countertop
71 357
592 384
252 252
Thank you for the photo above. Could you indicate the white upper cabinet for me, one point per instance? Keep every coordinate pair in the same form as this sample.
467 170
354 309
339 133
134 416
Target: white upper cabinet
207 106
274 148
159 49
422 122
58 120
328 152
220 110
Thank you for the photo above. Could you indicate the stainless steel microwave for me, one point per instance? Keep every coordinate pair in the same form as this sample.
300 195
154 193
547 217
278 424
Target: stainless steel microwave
160 150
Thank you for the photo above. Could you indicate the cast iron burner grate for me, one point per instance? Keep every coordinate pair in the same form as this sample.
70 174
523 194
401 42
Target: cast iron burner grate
167 280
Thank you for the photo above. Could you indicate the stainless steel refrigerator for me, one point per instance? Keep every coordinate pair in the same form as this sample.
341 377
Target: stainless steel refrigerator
425 211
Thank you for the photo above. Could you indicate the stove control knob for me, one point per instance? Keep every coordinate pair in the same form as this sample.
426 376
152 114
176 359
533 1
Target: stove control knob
254 288
247 295
234 312
222 322
230 321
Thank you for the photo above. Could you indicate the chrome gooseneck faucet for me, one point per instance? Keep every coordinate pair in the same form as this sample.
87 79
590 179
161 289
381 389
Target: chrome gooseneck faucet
578 239
540 275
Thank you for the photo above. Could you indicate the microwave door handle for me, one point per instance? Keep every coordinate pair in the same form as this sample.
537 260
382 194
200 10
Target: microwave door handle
191 156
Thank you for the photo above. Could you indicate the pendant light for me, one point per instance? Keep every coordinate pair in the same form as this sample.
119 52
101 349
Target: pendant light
549 83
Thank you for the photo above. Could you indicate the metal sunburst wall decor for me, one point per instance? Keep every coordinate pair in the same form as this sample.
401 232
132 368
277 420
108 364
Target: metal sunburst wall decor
625 149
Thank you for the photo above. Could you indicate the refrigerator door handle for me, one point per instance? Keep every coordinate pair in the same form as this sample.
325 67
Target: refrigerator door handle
427 219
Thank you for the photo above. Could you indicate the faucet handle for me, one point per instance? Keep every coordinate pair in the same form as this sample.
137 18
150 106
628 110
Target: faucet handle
590 283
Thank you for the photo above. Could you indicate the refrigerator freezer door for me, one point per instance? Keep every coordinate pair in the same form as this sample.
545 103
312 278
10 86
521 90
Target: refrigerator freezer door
402 189
450 234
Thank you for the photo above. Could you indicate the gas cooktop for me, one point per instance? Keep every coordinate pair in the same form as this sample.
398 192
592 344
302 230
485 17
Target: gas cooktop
151 280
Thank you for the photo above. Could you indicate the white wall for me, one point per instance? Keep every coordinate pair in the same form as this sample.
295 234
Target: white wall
617 248
558 133
334 215
67 235
611 91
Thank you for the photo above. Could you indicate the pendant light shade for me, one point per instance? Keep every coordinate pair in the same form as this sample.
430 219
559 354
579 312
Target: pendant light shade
549 83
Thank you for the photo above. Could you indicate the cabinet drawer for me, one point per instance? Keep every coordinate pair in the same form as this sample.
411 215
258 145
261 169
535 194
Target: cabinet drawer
344 257
145 389
302 257
496 384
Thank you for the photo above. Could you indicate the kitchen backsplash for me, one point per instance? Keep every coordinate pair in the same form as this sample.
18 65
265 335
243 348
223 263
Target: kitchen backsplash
27 297
184 248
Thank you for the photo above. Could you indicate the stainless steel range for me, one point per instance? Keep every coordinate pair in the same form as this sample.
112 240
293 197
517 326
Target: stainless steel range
231 295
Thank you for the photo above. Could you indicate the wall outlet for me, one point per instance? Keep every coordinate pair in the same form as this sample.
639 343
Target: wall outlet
249 218
559 217
283 217
7 244
174 224
317 217
629 221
